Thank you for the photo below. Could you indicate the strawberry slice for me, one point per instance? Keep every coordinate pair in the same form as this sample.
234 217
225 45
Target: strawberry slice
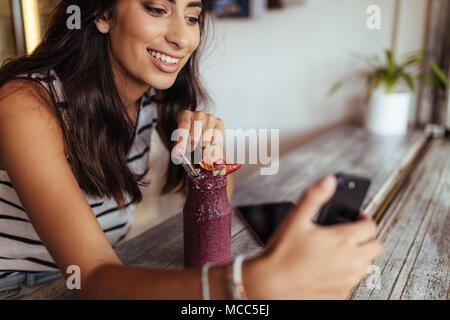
206 166
222 169
225 168
230 168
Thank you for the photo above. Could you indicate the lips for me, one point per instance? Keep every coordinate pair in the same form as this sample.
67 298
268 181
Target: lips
164 66
165 53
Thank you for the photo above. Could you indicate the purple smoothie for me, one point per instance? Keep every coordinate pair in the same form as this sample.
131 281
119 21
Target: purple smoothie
206 221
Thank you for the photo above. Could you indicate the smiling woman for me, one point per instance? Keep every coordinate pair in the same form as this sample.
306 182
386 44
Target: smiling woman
75 127
107 64
133 64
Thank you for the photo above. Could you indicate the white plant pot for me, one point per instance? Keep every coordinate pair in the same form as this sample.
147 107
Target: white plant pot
388 113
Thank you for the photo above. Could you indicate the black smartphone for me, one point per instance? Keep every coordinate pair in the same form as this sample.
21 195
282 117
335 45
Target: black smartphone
264 219
346 202
344 206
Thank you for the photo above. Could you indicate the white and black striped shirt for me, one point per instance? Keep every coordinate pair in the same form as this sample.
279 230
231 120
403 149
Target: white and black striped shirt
20 246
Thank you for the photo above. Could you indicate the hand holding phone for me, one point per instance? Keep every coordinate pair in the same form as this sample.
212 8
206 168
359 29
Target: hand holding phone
346 202
312 261
344 206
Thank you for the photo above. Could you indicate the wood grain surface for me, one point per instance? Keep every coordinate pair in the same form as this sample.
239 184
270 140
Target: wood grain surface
414 264
415 232
160 247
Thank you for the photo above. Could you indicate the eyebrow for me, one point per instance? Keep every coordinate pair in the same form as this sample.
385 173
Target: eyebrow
192 4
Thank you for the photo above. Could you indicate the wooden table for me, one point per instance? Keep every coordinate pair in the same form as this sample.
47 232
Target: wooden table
415 262
415 231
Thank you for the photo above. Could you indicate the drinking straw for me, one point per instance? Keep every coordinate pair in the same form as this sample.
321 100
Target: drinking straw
188 166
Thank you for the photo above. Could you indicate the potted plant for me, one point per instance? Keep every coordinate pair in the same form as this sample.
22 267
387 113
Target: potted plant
388 90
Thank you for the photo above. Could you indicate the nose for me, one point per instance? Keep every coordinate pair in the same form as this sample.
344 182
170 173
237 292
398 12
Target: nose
177 32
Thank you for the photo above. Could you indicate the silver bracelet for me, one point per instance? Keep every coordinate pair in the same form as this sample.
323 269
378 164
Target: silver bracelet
205 284
235 285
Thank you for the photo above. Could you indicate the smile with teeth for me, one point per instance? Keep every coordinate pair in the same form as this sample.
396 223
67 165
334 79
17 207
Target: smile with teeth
165 59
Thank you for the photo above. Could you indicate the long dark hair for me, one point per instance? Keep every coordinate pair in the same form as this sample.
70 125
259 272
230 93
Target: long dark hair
101 132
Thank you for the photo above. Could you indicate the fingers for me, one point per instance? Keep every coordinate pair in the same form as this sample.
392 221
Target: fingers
213 143
198 127
195 133
315 197
213 154
358 232
362 215
373 249
218 131
368 252
208 126
184 125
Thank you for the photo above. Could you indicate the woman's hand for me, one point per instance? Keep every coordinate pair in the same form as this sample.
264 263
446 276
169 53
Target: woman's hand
196 127
308 261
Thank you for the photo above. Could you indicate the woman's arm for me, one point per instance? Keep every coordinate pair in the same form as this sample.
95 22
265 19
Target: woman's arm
32 151
302 260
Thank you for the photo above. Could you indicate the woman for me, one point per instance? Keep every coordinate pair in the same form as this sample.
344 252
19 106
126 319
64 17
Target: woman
74 139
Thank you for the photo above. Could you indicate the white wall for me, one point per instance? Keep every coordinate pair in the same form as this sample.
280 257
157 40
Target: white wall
411 33
275 72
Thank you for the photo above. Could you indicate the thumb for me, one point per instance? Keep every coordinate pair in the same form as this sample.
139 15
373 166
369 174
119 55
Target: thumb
179 147
315 197
305 209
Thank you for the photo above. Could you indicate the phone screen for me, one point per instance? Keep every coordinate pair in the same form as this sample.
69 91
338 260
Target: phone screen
344 206
264 219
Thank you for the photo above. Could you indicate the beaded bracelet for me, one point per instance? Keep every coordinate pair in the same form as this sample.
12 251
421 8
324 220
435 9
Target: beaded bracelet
205 284
235 286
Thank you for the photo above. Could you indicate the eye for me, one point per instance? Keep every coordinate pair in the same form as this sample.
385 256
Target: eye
193 20
157 11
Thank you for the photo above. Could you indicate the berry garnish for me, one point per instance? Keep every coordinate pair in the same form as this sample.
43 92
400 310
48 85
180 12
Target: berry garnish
220 169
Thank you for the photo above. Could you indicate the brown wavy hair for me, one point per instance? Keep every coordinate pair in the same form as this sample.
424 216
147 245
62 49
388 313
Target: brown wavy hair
101 132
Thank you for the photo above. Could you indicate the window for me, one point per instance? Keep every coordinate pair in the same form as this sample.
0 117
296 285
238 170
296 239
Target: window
45 9
7 40
22 25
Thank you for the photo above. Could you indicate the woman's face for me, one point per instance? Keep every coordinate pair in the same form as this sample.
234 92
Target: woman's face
152 40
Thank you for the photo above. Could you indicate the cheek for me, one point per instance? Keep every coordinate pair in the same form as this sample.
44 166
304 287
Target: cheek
194 43
130 37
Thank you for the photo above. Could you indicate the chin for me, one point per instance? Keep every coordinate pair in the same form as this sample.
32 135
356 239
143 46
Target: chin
161 83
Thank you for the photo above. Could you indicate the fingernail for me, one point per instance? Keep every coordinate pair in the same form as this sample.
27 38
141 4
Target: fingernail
180 151
327 183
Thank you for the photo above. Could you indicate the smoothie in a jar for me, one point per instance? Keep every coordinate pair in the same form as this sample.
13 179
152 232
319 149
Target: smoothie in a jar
207 219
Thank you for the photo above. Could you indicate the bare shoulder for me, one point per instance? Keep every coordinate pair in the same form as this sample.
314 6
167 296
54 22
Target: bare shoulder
32 151
18 96
27 115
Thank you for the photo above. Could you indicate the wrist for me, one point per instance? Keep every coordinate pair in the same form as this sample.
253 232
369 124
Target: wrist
217 287
234 283
256 276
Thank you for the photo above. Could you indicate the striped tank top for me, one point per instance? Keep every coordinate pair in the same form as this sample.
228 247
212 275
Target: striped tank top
21 250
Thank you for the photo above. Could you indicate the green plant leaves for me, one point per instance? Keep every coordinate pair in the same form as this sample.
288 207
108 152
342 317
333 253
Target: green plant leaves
443 81
409 81
391 67
392 73
335 87
372 84
414 58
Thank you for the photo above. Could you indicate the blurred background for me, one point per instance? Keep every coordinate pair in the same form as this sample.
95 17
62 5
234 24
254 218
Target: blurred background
270 64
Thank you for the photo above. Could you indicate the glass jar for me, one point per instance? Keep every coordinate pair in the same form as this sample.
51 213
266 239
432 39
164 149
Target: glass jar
206 221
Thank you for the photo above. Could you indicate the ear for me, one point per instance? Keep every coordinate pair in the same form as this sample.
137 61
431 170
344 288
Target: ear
102 24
